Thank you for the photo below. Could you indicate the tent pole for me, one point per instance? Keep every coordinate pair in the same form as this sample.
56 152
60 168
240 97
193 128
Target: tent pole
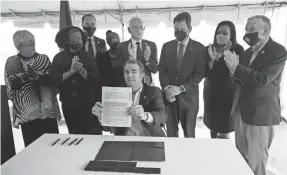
122 27
122 19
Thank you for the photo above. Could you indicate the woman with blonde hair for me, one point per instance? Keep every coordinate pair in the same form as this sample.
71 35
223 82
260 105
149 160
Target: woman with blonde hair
35 105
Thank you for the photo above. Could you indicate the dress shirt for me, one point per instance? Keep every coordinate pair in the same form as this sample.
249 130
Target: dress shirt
185 42
256 50
136 99
135 46
93 44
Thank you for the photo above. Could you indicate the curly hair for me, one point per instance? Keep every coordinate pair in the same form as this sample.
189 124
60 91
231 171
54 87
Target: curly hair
62 36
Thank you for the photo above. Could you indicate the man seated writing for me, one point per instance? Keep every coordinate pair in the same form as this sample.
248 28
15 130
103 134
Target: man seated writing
147 111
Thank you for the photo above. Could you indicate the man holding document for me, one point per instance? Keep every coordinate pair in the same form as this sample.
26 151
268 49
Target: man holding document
147 110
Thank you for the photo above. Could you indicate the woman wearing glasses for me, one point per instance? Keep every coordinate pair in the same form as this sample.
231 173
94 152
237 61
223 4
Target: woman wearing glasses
29 87
75 74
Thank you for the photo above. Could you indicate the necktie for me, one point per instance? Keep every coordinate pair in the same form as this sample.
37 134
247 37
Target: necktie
91 49
180 55
140 58
139 51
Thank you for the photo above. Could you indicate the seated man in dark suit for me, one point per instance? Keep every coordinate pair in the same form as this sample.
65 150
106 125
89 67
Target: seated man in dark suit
137 48
147 111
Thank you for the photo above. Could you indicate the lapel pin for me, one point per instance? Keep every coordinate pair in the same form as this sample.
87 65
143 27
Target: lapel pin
144 97
262 52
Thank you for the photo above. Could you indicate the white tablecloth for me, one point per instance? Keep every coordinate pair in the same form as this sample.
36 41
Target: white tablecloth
183 157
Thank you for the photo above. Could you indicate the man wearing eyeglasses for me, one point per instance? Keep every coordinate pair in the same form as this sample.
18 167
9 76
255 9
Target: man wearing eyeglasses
137 48
94 45
181 69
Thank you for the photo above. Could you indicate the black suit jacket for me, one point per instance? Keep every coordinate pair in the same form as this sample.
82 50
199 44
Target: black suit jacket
100 46
190 74
122 55
259 85
152 102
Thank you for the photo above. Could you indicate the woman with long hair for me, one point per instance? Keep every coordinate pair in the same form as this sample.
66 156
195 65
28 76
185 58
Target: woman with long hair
218 88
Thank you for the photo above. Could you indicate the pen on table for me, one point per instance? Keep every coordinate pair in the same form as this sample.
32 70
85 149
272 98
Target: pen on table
66 140
56 142
79 141
73 141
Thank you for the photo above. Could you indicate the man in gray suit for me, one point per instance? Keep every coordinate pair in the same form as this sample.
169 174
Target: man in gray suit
181 68
257 104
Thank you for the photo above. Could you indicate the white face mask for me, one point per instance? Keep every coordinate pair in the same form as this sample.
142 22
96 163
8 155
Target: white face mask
222 39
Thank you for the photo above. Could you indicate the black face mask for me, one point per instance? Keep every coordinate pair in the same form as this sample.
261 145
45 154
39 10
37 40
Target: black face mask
180 35
251 38
90 30
114 45
75 46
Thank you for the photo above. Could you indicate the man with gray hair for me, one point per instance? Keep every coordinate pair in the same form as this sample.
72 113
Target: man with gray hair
137 48
256 102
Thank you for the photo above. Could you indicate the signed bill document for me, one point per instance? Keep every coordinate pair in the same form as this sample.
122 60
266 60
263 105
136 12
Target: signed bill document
116 101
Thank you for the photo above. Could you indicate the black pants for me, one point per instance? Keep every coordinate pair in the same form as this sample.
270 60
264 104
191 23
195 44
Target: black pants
80 120
32 130
187 118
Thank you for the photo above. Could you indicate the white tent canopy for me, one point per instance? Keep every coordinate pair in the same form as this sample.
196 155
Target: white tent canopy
108 13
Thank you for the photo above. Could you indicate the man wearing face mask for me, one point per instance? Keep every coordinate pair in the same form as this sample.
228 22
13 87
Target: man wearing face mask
181 69
75 74
94 45
138 49
257 104
110 75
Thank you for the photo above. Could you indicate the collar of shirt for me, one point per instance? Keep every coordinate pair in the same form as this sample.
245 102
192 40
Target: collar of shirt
184 42
92 38
134 42
257 47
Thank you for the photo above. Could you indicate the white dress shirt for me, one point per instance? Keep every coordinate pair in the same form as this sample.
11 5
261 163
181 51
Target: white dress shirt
135 46
185 42
93 44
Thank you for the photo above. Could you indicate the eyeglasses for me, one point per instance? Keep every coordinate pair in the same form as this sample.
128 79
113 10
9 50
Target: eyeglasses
138 28
76 39
23 46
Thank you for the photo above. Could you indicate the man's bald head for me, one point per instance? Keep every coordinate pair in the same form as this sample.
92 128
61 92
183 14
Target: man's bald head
135 21
136 28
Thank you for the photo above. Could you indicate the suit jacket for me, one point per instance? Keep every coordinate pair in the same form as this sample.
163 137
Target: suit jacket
75 90
190 74
122 55
100 46
259 85
152 102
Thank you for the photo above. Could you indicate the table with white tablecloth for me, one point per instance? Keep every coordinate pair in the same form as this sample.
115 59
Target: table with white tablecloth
183 156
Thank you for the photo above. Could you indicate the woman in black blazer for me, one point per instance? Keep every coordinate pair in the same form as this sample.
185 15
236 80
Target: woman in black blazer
75 74
218 88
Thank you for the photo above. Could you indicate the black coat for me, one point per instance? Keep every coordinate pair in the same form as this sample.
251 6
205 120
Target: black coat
109 75
218 95
75 90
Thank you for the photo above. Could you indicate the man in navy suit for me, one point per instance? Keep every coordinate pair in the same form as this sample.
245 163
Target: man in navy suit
94 45
97 48
137 48
256 103
181 68
147 111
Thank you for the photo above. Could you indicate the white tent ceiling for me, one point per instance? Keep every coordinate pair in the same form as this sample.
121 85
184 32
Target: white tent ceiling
37 13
